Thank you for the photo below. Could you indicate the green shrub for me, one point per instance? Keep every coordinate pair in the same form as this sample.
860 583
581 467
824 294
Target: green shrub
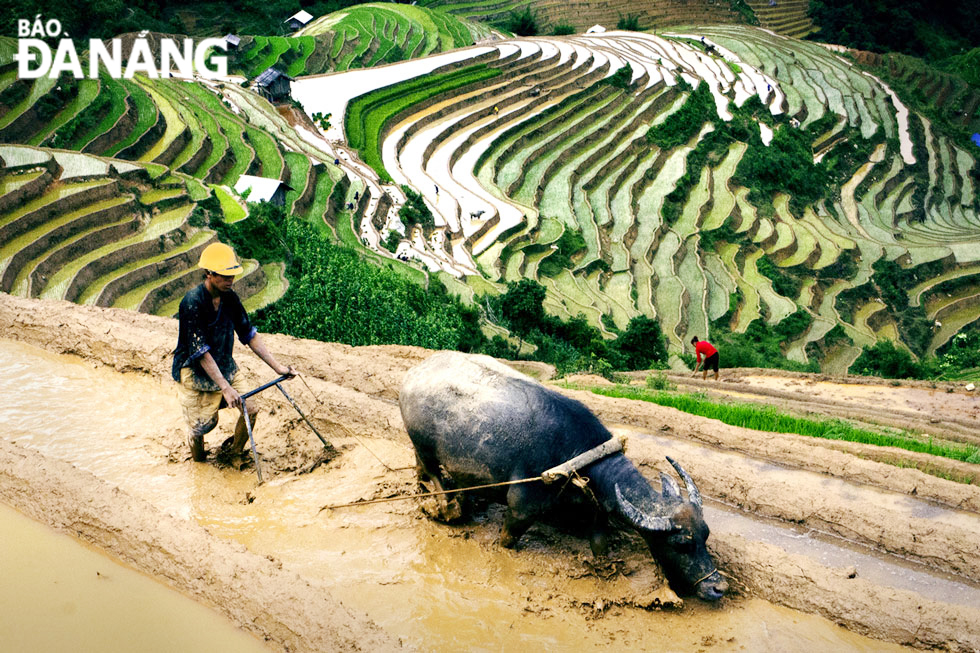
49 104
621 78
762 345
15 93
724 233
784 281
742 8
786 165
568 245
391 241
260 236
642 346
563 29
684 124
415 211
522 23
659 381
630 22
959 354
886 360
522 306
395 54
82 122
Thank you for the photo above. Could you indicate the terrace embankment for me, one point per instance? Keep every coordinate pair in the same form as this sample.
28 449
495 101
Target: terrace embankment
93 444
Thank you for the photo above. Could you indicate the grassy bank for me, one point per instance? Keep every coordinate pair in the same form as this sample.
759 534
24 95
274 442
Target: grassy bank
767 418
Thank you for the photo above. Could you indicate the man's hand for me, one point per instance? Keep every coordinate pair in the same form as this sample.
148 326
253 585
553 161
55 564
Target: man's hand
232 398
289 371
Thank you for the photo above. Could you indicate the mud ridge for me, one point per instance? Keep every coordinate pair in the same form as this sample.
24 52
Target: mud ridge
256 593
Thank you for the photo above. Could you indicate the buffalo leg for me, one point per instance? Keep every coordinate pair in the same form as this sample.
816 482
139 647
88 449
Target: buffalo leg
517 520
599 540
445 508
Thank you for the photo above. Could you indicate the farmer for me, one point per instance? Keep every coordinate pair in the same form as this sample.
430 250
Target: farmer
210 316
705 348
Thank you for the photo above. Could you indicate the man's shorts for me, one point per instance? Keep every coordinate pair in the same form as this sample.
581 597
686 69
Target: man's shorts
201 408
711 362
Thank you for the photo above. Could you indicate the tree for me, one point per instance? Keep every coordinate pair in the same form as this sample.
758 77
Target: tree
642 345
523 307
886 360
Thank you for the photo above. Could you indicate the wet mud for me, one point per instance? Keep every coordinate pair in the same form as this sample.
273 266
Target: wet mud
93 444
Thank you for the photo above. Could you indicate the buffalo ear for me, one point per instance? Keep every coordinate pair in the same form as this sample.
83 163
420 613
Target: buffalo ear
670 489
638 518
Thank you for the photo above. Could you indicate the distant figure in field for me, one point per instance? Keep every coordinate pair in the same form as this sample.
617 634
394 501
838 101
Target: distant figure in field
706 349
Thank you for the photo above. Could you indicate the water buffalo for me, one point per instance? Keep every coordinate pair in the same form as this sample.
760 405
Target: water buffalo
474 421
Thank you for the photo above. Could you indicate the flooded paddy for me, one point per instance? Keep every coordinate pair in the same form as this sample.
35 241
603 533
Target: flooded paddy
61 595
427 585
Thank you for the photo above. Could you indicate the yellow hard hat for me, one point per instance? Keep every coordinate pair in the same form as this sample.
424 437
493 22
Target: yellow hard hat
220 259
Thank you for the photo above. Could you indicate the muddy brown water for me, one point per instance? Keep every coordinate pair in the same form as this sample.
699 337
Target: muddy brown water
434 587
61 595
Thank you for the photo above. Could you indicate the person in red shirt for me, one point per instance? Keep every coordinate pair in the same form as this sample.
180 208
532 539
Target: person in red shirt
705 348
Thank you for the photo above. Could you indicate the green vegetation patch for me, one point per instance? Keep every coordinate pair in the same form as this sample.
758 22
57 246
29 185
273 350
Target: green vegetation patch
231 209
277 45
684 124
367 114
146 116
86 126
336 296
771 420
569 244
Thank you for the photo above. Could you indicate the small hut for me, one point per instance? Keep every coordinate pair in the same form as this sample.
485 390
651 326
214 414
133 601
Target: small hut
273 85
298 20
232 42
263 189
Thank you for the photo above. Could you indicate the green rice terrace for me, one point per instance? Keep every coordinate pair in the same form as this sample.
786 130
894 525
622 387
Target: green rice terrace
728 181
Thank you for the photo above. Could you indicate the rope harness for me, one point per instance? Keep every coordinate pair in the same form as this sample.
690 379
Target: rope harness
343 428
707 576
568 470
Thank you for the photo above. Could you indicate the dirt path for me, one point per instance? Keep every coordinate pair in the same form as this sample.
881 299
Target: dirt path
403 580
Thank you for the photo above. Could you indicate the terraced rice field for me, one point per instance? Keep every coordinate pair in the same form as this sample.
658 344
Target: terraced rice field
493 160
512 143
361 36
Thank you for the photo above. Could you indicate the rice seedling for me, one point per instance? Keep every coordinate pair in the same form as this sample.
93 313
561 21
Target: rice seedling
772 420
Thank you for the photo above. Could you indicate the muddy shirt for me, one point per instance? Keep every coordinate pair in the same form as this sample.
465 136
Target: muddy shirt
202 329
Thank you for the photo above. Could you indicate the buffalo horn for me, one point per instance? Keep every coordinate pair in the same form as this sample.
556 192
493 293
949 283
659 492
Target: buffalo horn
669 487
692 489
638 518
